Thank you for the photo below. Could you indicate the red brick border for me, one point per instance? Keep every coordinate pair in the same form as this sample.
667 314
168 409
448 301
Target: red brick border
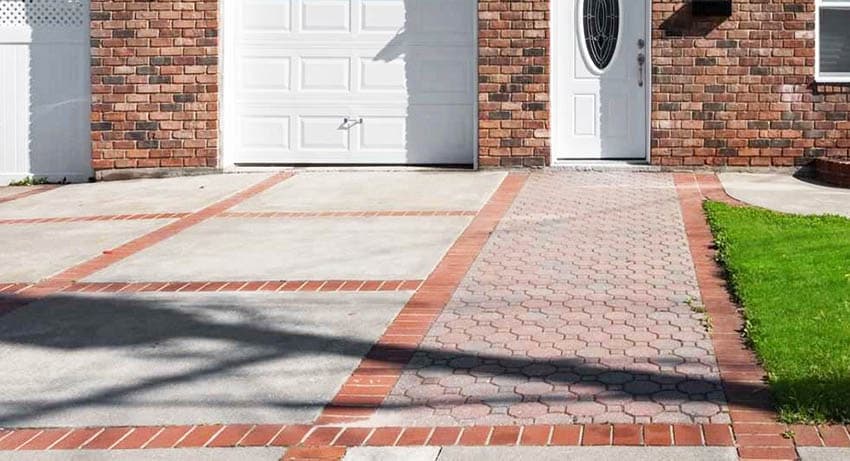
347 214
279 435
377 373
28 192
301 286
69 276
120 217
751 408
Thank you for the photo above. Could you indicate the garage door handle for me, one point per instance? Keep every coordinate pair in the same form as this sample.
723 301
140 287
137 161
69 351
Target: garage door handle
353 121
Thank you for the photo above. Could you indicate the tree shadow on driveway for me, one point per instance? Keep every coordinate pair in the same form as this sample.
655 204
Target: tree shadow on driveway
125 352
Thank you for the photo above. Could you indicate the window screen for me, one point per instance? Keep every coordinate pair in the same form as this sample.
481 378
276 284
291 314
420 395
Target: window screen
833 41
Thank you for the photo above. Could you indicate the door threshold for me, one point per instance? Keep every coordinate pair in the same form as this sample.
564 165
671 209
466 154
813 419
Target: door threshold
606 165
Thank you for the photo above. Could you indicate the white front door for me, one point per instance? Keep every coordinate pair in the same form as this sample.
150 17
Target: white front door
600 77
350 81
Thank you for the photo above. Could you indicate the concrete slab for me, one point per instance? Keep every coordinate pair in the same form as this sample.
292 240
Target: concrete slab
205 454
166 195
786 193
184 358
32 252
414 190
588 453
392 453
823 454
295 249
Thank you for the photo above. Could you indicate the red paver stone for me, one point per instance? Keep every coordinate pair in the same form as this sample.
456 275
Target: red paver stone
384 437
806 436
169 437
687 435
834 436
322 436
566 435
505 435
535 435
475 436
138 438
353 436
200 436
76 439
44 440
627 434
658 435
718 435
106 439
291 435
414 436
261 435
230 435
596 434
18 438
444 436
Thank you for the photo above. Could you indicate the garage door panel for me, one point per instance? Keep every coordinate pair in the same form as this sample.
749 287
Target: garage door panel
407 68
325 74
325 16
266 15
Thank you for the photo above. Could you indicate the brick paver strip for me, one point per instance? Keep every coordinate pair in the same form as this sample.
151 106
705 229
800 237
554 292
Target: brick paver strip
579 309
72 219
346 214
241 286
28 192
358 398
242 435
70 276
754 420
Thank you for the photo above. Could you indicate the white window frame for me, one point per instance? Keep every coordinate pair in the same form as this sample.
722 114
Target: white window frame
831 77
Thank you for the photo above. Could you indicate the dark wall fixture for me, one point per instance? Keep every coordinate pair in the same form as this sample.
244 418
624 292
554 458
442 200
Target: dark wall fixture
702 8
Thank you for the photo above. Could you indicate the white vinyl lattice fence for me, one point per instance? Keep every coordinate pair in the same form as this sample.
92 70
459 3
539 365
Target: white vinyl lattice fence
45 93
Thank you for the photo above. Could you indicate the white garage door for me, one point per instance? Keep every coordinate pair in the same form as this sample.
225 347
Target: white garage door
350 81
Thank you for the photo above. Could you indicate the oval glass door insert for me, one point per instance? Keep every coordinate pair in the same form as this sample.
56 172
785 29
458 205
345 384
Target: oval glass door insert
601 24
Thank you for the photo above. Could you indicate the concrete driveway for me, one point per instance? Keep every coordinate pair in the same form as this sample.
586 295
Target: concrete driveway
363 313
101 354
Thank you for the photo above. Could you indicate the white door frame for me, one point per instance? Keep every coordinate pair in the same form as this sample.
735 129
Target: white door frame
226 60
557 42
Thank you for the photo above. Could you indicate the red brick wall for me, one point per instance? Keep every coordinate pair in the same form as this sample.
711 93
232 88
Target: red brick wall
154 83
739 91
513 82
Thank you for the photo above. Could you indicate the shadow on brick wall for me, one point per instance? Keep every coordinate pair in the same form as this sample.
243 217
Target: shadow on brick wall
683 23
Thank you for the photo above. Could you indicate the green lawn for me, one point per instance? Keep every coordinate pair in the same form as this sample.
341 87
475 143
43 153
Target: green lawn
792 276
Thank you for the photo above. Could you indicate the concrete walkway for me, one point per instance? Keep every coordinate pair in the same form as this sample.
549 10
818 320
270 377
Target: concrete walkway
787 194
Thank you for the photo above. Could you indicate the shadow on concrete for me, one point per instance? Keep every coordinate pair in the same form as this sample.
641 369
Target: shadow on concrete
122 322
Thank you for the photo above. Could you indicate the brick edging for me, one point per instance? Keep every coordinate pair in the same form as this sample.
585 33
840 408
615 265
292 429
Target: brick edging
68 277
299 435
119 217
289 286
751 407
376 375
347 214
29 192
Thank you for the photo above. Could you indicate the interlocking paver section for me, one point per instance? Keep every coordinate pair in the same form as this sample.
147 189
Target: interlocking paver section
578 310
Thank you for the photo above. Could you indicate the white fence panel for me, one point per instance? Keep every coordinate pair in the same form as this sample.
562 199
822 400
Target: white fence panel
45 90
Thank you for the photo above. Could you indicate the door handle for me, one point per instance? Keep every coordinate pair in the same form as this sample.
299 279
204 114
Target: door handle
641 65
353 121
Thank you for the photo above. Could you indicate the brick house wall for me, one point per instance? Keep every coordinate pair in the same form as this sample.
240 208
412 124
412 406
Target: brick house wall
154 83
513 88
740 91
734 91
